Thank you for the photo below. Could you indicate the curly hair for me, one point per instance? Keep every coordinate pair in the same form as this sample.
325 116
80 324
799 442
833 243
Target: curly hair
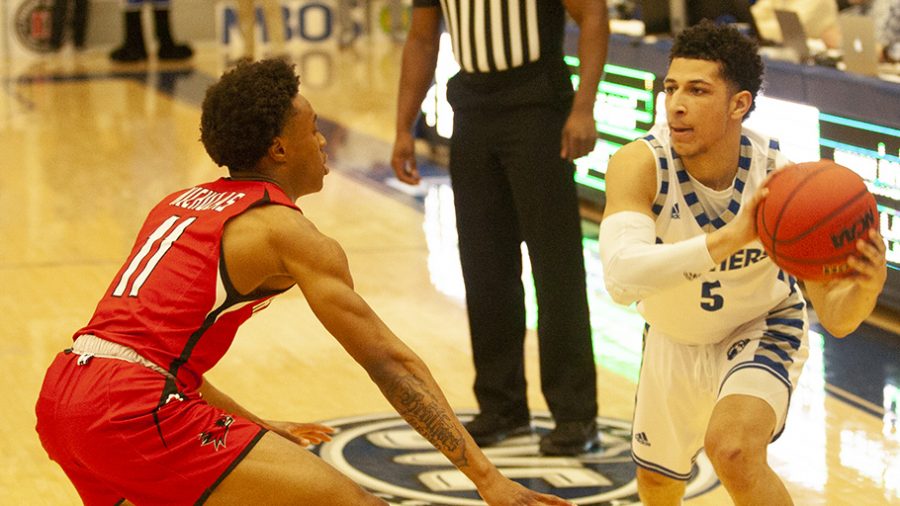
737 55
245 110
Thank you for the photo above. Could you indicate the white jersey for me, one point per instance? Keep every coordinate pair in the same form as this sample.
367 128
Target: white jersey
710 306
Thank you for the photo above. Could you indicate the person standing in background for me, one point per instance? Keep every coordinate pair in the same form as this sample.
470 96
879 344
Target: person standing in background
517 128
819 19
886 14
133 48
274 26
78 19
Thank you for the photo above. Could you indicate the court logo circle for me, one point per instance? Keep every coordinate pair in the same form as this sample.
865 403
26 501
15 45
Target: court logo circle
386 456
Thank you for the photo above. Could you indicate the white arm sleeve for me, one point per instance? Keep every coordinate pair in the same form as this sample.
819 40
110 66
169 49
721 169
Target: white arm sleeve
634 266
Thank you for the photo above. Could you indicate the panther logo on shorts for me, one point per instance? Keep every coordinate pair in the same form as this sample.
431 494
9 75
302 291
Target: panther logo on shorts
386 456
736 348
217 435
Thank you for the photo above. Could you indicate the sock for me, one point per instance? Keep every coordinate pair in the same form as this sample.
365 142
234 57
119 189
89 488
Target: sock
134 33
132 49
161 23
168 49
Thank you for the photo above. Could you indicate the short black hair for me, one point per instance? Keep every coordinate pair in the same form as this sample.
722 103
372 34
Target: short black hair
737 54
245 110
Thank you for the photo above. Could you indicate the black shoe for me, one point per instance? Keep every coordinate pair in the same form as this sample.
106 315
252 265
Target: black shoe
489 429
174 52
571 438
128 54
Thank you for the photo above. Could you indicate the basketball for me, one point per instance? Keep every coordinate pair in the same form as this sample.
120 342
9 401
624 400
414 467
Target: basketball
811 219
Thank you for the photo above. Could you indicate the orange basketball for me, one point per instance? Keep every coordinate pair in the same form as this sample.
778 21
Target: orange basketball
811 219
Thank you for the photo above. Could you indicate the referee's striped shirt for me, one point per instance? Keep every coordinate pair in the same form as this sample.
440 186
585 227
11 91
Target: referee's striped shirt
497 35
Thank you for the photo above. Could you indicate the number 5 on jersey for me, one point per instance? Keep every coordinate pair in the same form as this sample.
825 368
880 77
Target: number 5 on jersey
711 301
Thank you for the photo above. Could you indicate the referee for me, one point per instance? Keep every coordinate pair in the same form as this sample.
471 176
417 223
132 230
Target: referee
518 125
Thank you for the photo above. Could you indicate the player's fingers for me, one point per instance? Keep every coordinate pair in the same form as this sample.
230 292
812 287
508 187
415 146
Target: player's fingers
866 275
877 240
551 499
860 266
319 436
872 251
320 427
866 271
760 195
753 204
311 430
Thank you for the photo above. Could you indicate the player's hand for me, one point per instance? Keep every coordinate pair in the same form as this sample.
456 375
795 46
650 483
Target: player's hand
740 231
869 263
304 434
505 492
843 303
744 223
579 135
403 159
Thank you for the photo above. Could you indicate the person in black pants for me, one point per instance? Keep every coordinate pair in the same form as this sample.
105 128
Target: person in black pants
78 20
517 127
133 48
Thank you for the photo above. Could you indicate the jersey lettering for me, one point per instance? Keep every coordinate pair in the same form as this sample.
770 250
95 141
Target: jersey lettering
202 199
741 259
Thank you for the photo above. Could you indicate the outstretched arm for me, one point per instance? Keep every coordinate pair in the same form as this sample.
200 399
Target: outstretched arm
319 267
304 434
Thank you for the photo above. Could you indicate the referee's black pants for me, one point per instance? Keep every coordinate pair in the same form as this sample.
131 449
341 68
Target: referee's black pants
60 16
510 185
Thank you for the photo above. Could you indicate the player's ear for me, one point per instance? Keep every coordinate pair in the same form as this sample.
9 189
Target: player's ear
276 149
740 104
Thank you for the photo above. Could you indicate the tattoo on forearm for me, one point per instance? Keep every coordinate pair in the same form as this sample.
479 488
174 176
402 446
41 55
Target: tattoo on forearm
428 417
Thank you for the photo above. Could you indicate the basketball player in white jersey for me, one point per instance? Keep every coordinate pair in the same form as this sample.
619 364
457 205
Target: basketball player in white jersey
726 334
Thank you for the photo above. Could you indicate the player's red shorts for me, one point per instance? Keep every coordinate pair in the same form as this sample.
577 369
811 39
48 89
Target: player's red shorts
97 421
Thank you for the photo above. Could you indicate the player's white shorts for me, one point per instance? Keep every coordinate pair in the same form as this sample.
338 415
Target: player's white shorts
680 384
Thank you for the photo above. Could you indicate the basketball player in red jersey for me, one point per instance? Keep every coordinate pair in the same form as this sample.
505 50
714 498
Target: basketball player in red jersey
726 334
126 411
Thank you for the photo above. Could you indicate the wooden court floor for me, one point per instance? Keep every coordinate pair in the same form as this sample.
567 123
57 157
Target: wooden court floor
87 147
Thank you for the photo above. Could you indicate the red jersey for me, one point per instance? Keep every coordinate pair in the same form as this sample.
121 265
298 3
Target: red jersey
172 301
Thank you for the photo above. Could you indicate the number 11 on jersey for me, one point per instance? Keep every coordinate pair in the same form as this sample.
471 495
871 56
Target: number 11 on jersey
162 249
